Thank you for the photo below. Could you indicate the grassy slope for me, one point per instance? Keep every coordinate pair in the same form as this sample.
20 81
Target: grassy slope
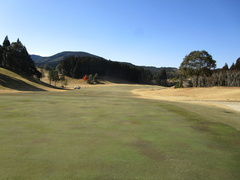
107 133
12 81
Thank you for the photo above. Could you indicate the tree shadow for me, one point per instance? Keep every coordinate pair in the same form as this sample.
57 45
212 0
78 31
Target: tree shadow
34 80
16 84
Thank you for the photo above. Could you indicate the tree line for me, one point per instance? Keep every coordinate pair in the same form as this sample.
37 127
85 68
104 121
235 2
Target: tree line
14 56
199 67
77 67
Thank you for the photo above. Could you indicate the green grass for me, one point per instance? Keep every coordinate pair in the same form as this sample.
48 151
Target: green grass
107 133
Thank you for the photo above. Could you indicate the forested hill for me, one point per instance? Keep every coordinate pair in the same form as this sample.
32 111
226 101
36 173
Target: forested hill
54 60
77 67
77 64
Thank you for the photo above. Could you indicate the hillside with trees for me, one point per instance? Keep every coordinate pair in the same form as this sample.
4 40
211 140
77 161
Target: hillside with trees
121 70
77 67
14 56
53 61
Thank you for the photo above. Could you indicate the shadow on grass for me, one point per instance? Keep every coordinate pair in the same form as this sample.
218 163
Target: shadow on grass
34 80
16 84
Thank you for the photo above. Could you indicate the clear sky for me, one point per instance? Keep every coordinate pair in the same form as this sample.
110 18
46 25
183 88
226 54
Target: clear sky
143 32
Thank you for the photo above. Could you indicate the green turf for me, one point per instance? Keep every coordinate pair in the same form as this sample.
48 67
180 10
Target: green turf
107 133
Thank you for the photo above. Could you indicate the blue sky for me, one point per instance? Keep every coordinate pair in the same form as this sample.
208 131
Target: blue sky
143 32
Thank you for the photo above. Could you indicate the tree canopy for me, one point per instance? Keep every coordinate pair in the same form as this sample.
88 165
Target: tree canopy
15 57
6 42
200 67
197 63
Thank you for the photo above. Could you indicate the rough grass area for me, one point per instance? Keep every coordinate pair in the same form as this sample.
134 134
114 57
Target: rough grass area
107 133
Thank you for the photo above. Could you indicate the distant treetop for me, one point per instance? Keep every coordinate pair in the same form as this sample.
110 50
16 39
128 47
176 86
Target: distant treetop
6 42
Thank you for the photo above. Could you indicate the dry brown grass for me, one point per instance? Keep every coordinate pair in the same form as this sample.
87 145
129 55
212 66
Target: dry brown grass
227 97
193 94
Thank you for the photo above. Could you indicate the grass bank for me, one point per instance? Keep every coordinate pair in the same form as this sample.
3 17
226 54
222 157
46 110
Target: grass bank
108 133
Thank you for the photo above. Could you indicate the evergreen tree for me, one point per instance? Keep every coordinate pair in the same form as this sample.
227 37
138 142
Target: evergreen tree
225 67
237 64
17 46
6 42
15 57
233 66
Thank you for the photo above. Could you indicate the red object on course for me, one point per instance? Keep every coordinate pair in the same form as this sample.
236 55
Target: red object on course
85 78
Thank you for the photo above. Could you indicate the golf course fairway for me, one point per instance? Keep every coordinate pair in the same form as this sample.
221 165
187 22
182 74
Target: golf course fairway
106 132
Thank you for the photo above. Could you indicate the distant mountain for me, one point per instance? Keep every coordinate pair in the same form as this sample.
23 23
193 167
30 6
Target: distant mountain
35 58
54 60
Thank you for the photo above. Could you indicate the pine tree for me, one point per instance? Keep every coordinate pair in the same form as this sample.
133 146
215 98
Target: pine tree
6 42
237 65
15 57
225 67
17 46
233 66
